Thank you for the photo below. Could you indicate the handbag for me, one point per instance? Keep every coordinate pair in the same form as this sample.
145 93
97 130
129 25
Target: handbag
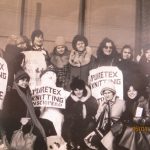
117 128
21 141
93 138
4 145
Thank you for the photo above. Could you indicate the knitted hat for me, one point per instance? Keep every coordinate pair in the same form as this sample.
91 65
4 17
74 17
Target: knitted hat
20 75
108 86
60 40
77 84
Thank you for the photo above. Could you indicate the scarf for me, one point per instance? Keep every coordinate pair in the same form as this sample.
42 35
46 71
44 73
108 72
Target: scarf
80 59
60 60
82 102
28 101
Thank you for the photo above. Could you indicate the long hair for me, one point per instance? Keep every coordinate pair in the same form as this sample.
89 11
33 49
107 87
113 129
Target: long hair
100 53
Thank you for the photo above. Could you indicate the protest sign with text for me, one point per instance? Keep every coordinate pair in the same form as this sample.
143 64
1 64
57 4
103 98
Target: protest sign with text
46 96
34 64
3 80
100 75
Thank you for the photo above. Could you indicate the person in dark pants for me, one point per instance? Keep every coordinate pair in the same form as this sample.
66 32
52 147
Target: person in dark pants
79 114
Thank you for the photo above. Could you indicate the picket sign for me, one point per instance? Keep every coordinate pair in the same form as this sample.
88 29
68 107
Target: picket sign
100 75
34 64
49 96
3 80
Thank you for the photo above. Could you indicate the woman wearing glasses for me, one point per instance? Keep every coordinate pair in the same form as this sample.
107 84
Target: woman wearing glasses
107 54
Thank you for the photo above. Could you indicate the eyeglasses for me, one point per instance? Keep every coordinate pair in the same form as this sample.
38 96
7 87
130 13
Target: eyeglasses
106 47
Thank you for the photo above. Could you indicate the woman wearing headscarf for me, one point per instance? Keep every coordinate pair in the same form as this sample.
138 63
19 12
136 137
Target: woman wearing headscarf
108 114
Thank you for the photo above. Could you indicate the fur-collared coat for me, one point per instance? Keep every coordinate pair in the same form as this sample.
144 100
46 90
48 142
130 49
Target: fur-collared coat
78 116
61 67
81 64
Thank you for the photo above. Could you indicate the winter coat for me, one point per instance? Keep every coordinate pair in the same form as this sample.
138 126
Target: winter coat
106 118
13 58
145 67
132 137
117 107
78 116
80 65
61 67
106 60
131 106
15 108
129 70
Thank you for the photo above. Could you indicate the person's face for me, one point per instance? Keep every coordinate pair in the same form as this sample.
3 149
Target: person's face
78 93
147 54
80 46
126 54
132 93
108 95
60 49
107 48
38 40
24 82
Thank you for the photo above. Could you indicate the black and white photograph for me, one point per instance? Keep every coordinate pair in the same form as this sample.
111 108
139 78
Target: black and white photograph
74 75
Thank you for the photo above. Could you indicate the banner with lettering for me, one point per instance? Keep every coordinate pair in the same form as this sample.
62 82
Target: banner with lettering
98 76
3 80
33 65
46 96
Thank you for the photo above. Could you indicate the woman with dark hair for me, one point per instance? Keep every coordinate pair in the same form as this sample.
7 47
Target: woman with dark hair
37 38
107 54
126 64
127 52
136 117
80 110
145 62
81 59
60 62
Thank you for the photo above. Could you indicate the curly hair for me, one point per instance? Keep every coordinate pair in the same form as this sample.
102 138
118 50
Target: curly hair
79 38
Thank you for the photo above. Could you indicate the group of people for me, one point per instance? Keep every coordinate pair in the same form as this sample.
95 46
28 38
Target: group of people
86 122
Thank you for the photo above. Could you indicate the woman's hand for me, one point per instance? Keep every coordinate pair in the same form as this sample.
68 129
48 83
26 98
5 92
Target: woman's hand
102 106
137 120
24 120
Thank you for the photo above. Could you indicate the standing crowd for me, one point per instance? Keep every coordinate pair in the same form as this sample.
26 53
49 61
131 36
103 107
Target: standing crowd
86 123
